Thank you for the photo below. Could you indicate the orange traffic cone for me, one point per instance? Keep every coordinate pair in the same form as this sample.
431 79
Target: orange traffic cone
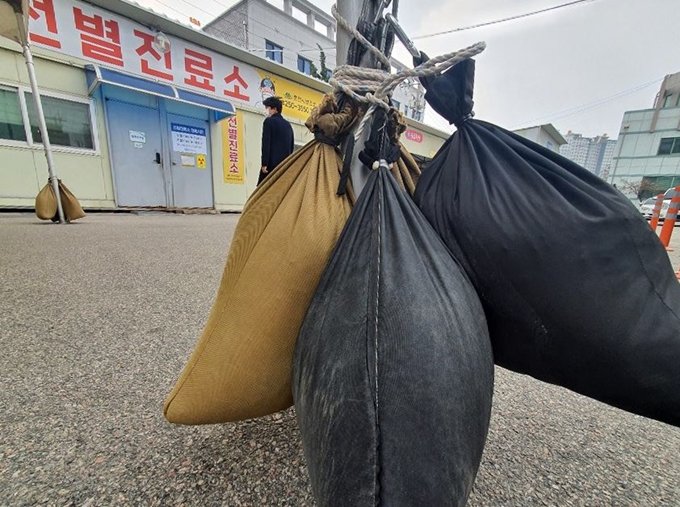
669 221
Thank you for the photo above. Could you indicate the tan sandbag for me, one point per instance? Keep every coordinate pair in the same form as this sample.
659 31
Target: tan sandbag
241 367
46 203
69 202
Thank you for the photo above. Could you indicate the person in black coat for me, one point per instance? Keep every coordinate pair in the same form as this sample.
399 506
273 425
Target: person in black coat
277 138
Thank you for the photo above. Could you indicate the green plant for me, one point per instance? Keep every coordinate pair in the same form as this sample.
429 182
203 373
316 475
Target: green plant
323 73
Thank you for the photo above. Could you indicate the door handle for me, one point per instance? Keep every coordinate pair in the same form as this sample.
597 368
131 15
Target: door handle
158 158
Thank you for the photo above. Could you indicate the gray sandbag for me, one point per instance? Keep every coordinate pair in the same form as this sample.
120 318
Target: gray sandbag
392 371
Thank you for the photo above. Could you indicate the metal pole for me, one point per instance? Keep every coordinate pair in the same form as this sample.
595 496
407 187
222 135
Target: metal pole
41 123
351 11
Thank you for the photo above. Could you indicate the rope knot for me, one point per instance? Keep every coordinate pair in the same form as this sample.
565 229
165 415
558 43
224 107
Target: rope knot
373 86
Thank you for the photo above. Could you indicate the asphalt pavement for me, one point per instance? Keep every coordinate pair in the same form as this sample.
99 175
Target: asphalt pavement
97 319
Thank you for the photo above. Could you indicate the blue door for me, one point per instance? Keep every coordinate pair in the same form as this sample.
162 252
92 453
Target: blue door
137 154
190 162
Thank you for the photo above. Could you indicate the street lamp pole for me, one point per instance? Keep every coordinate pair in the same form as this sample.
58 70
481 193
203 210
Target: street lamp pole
19 33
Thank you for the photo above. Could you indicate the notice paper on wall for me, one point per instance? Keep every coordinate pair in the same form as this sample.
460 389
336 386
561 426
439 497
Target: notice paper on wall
188 139
188 160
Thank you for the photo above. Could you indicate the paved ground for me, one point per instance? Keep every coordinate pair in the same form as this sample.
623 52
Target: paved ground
98 318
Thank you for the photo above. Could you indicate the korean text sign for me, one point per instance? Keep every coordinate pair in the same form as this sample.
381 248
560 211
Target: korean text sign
79 29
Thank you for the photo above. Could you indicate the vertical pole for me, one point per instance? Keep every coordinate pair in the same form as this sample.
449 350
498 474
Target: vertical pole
669 221
28 56
654 222
351 11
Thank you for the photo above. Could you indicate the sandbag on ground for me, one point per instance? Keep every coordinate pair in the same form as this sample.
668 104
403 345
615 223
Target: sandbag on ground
577 289
46 204
393 374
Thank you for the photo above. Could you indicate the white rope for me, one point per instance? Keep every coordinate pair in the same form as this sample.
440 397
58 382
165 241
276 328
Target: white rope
373 86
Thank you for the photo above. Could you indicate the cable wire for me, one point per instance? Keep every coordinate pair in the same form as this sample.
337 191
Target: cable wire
565 113
503 20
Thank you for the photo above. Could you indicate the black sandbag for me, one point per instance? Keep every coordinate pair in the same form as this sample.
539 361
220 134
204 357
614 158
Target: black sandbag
577 289
392 371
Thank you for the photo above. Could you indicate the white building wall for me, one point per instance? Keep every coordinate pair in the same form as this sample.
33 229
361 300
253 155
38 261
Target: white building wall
540 136
636 156
576 149
23 167
531 133
594 154
547 141
592 157
297 39
266 22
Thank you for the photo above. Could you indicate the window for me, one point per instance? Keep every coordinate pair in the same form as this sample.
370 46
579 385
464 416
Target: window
669 146
396 104
320 27
304 65
11 121
299 15
668 101
68 122
329 74
274 51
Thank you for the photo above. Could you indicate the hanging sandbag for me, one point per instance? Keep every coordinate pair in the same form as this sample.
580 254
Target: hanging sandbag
46 204
241 366
578 290
393 374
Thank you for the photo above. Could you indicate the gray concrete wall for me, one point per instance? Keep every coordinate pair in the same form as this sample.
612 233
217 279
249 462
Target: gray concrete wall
267 22
297 38
231 28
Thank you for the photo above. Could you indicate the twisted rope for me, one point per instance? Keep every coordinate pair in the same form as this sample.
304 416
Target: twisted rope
343 23
374 86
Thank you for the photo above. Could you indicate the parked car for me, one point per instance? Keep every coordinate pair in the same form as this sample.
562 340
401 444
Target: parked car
647 206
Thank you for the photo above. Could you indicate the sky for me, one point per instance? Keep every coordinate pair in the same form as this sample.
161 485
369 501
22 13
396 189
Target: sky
579 67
